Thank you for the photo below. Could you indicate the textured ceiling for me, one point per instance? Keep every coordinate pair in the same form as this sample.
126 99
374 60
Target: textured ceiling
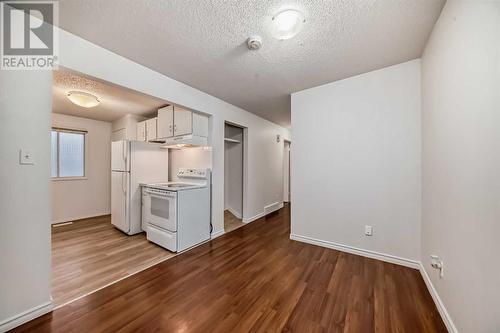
201 42
115 101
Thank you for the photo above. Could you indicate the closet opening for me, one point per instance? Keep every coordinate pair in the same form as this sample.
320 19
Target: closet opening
234 155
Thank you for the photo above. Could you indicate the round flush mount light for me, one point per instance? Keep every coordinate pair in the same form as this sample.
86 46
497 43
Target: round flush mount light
83 99
287 24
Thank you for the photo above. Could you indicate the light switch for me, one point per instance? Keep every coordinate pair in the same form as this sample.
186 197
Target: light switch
26 157
368 230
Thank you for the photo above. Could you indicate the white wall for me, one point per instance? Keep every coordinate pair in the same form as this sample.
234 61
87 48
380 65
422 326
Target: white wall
125 128
25 106
199 158
265 186
461 161
82 198
356 161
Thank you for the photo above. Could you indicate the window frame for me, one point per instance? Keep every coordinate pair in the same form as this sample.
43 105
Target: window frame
85 152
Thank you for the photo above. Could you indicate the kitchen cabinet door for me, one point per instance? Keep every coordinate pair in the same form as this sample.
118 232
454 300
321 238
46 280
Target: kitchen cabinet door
141 131
151 129
165 123
183 121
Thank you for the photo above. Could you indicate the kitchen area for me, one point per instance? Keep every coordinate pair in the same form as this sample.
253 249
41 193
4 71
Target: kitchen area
158 191
130 190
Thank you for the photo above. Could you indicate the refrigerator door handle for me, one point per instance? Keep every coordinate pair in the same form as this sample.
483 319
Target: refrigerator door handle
124 187
125 153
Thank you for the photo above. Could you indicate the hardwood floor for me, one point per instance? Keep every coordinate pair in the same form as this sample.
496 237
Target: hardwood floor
89 254
231 222
256 279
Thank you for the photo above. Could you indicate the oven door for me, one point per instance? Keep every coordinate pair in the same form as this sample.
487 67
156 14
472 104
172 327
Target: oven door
161 210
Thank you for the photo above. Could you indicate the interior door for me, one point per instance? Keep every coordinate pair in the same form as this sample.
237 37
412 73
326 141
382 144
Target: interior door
183 121
165 122
119 189
119 156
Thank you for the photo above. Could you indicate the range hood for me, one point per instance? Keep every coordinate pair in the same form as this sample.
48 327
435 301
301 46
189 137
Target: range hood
185 141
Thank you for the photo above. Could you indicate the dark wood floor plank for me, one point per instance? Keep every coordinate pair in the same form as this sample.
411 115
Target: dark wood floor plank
255 279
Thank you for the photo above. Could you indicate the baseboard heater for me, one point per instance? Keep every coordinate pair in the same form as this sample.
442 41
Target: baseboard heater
272 207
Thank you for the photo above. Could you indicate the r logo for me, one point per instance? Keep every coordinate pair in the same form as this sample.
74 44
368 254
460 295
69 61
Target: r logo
28 33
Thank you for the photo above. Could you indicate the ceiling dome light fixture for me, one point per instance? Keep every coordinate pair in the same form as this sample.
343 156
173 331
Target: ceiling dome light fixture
83 99
287 24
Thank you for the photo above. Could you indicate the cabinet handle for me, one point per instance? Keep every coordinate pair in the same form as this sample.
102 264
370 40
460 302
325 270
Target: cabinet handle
175 128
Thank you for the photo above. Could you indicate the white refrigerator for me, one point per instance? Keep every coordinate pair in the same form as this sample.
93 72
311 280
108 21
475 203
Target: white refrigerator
133 163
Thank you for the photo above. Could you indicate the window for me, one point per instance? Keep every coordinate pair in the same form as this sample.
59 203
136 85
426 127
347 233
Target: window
67 153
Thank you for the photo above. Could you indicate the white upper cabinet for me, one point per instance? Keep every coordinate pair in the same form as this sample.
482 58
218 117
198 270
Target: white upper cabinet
174 121
147 130
166 122
151 129
183 121
141 131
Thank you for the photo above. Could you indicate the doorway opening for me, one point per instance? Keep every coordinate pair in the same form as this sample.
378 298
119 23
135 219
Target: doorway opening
286 172
234 143
96 203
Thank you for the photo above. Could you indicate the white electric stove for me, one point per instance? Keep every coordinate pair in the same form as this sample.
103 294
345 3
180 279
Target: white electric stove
177 215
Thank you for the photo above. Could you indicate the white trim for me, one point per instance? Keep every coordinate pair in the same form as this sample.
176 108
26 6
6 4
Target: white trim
217 234
361 252
26 316
437 300
253 218
232 211
63 179
73 219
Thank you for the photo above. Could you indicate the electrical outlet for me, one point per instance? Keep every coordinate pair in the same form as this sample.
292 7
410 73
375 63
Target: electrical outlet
368 230
437 263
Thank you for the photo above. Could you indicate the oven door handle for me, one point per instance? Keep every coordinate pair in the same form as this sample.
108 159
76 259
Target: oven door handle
159 195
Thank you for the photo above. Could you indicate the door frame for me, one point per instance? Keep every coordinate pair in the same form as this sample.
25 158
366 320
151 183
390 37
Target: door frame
289 187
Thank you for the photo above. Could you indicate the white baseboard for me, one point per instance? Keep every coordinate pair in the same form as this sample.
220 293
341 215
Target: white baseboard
437 300
217 233
354 250
25 316
76 218
253 218
232 211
